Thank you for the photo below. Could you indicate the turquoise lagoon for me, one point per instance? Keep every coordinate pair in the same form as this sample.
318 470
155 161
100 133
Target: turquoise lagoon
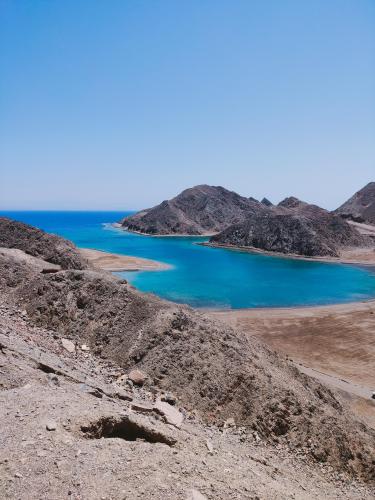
210 277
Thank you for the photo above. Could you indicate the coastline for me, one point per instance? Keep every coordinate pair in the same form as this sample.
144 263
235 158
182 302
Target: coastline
177 235
120 263
356 256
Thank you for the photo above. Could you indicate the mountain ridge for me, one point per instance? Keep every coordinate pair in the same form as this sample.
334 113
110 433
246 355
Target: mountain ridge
199 210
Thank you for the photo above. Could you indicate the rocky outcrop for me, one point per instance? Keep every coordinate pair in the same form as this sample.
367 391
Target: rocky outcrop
294 227
299 207
196 211
214 371
361 206
37 243
267 202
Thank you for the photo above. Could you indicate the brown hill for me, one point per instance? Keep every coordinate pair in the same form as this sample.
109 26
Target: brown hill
361 206
35 242
294 227
199 210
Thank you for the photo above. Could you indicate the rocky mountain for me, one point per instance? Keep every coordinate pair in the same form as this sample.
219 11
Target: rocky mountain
199 210
267 202
294 227
299 207
361 206
37 243
217 376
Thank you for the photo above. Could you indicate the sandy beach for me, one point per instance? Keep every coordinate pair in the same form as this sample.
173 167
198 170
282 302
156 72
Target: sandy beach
116 263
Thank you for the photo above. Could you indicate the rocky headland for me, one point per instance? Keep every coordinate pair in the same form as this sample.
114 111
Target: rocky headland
295 228
111 393
292 227
199 210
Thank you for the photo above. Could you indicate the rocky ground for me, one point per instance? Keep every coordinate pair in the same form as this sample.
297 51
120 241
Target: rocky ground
110 393
75 426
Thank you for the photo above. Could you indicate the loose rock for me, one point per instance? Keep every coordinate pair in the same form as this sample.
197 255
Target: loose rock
171 414
137 377
195 495
51 425
68 345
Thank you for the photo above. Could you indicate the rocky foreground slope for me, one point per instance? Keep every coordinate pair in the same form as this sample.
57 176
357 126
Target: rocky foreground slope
294 227
198 210
361 206
37 243
229 387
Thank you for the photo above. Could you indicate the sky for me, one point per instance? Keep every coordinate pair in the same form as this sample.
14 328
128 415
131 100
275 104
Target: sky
119 104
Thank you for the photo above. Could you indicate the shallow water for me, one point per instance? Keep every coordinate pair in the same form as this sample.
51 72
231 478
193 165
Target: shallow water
211 277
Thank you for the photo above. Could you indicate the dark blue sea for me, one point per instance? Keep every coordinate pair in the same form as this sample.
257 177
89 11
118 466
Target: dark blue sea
209 277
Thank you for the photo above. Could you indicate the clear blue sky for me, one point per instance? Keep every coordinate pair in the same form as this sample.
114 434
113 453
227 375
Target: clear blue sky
119 104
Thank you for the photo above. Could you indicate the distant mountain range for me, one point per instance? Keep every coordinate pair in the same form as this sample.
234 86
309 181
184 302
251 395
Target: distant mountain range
292 226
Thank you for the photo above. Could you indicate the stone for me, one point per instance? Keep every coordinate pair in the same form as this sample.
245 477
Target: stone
142 408
121 380
85 347
209 446
229 423
51 425
170 413
53 379
195 495
68 345
138 377
169 398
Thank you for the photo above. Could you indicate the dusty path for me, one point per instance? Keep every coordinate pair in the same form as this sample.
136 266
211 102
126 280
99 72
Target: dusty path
115 262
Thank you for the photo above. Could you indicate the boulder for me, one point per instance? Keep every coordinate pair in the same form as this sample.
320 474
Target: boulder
138 377
68 345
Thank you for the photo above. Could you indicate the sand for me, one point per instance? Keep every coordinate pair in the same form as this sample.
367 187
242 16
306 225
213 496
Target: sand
335 344
116 263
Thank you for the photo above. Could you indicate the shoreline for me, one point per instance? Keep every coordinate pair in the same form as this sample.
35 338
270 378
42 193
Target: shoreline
367 254
360 305
112 262
356 256
177 235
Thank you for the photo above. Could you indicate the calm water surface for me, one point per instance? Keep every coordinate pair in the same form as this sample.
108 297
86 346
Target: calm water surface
208 277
